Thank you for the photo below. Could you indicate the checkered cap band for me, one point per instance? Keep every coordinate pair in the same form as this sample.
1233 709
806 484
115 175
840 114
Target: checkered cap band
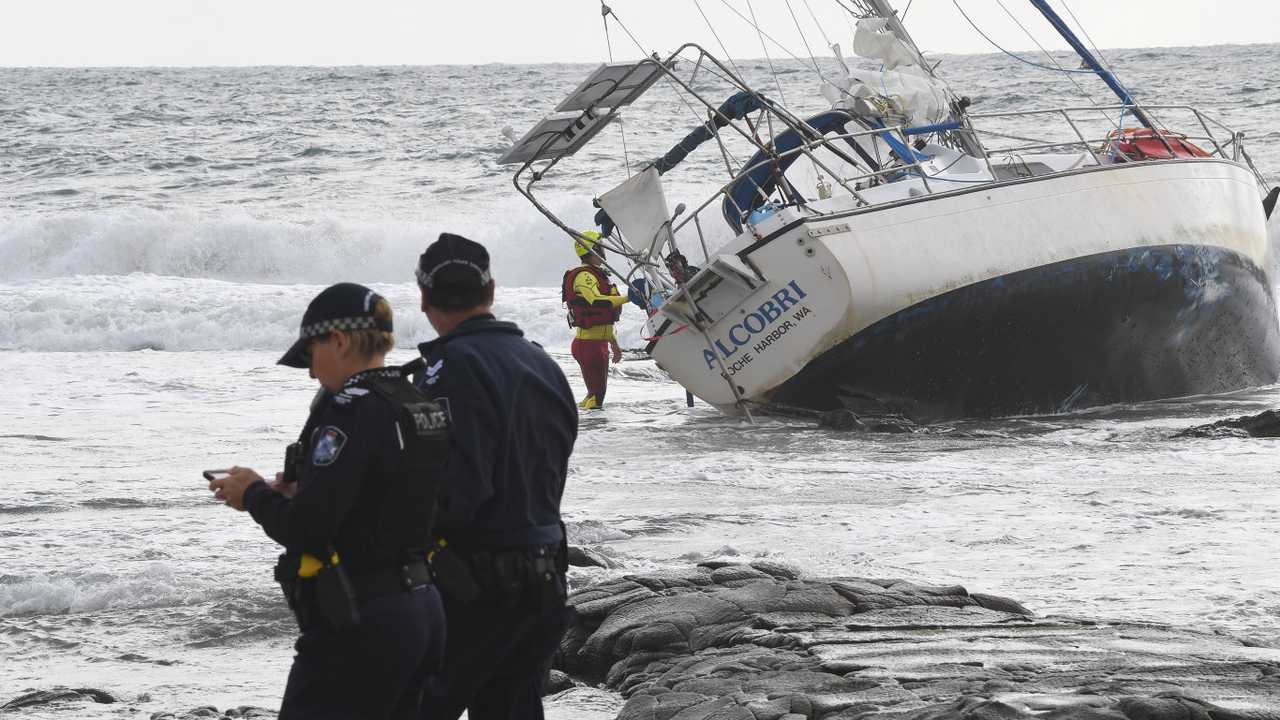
325 327
425 278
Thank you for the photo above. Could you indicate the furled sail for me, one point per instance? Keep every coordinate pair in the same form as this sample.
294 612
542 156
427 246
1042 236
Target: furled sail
902 89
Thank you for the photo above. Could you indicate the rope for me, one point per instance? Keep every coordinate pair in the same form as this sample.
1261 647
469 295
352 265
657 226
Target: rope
605 11
1015 56
760 33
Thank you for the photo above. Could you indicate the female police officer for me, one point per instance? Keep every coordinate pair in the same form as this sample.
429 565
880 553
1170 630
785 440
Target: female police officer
358 520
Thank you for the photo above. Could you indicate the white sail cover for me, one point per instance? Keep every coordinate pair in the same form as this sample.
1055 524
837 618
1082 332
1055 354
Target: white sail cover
639 208
901 88
874 39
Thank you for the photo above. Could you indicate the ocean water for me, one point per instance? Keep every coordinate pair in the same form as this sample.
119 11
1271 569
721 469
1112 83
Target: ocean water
161 231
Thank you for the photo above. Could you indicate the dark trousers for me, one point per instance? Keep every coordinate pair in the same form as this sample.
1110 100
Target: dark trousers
496 662
375 670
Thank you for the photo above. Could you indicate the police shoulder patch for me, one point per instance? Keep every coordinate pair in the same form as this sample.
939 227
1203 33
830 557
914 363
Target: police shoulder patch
433 372
328 446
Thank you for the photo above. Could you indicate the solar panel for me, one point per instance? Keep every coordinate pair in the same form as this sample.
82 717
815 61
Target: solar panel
613 85
557 136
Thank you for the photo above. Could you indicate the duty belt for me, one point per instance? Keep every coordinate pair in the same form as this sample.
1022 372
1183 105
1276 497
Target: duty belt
409 576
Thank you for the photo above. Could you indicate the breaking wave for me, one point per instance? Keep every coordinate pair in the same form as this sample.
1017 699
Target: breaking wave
237 246
151 312
158 585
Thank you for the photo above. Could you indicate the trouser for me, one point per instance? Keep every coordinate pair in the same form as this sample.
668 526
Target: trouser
496 662
374 670
593 358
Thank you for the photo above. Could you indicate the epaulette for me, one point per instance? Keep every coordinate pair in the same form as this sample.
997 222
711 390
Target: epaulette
349 395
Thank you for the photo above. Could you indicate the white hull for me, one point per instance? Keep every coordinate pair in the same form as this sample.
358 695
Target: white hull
823 280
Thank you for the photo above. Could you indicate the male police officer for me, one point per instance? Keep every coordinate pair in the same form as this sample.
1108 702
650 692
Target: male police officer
356 525
500 557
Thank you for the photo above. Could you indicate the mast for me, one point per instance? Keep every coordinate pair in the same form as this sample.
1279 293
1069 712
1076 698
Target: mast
886 11
1090 60
965 137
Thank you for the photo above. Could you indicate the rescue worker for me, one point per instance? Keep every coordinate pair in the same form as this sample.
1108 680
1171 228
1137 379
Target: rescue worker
353 510
594 306
501 556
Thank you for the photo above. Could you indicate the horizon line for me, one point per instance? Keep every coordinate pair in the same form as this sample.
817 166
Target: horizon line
108 66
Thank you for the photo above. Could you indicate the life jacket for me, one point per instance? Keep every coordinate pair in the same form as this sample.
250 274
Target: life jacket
582 314
1146 144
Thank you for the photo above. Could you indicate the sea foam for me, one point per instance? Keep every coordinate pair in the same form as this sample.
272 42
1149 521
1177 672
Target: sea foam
158 585
143 311
238 246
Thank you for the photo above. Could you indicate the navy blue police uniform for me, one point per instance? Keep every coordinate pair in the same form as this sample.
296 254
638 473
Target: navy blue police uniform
356 533
501 556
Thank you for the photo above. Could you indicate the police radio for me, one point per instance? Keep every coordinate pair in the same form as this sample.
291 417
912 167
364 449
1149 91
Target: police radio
292 461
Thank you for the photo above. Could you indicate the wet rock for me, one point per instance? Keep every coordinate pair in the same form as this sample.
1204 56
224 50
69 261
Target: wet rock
1266 424
752 641
44 697
586 557
204 711
248 711
209 712
557 681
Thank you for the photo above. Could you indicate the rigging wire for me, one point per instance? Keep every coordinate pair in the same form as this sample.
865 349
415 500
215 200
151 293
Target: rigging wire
674 87
1103 61
997 46
821 29
777 83
1096 51
805 40
760 31
1081 90
716 35
728 80
668 80
605 11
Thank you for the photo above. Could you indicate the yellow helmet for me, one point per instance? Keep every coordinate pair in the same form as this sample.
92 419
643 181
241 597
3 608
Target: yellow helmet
582 247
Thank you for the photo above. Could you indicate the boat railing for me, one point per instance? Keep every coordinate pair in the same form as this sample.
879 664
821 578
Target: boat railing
967 132
1227 145
1070 117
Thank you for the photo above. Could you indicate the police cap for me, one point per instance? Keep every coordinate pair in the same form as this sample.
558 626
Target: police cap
346 307
464 262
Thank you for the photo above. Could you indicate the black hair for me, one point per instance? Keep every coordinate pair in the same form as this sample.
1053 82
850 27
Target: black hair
454 289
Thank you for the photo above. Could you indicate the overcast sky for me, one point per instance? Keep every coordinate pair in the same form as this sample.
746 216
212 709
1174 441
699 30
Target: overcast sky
416 32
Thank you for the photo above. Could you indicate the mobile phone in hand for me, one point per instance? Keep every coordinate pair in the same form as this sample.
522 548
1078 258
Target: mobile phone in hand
212 475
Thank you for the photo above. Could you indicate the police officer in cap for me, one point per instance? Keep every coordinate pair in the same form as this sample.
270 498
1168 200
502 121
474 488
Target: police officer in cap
501 555
353 510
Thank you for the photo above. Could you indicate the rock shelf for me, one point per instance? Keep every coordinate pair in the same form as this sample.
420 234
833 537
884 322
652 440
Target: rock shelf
756 642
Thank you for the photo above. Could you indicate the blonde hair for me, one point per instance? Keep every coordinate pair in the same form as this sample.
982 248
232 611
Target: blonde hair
370 342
